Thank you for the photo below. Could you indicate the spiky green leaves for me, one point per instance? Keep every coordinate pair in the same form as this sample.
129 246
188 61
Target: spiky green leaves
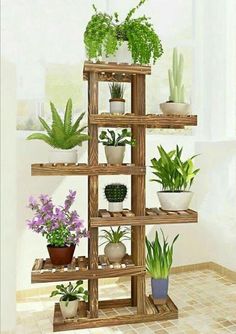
116 90
115 192
115 236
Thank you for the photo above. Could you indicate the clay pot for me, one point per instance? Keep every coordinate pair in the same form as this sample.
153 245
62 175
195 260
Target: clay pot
61 255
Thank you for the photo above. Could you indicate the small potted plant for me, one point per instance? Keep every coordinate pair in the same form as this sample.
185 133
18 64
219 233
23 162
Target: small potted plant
158 264
115 194
176 177
176 104
115 250
115 144
117 101
62 227
73 298
63 136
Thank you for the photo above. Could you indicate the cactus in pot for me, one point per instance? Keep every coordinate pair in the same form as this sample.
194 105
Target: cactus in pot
115 194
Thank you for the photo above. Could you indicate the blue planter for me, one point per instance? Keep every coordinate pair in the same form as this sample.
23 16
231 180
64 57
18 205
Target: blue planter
159 288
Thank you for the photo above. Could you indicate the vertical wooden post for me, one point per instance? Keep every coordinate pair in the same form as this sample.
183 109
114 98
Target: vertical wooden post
93 193
138 289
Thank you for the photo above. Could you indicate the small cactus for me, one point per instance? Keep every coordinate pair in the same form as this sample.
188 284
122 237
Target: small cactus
115 192
175 78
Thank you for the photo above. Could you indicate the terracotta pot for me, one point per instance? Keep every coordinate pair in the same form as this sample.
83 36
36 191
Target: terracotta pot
82 309
117 106
61 255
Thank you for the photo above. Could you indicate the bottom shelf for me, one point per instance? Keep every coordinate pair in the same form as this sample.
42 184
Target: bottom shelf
107 319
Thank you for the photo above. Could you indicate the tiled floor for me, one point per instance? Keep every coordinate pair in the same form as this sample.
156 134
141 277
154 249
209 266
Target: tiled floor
206 302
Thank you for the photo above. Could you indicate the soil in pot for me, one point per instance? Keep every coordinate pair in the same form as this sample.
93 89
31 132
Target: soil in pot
115 251
61 255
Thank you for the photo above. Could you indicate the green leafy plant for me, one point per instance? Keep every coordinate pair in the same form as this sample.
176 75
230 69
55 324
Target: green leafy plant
70 292
177 90
115 236
115 192
62 135
110 138
116 90
105 33
173 173
159 256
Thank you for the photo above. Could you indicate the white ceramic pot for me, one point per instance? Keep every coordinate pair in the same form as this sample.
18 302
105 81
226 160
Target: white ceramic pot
171 108
174 201
115 251
63 156
115 206
115 154
122 55
70 310
117 106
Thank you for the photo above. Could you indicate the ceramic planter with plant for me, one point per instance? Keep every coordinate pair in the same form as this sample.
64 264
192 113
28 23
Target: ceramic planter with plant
63 136
117 101
62 227
176 177
115 194
73 299
176 104
158 264
132 40
115 144
115 250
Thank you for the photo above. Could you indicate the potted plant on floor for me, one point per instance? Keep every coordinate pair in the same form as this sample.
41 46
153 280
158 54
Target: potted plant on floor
117 101
115 250
63 136
176 177
176 104
62 227
72 300
109 39
158 264
115 194
115 144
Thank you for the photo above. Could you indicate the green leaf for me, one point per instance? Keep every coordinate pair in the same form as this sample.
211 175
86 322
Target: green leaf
41 136
68 117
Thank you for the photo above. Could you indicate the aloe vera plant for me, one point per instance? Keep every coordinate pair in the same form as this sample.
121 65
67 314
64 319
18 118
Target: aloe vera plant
116 90
115 236
177 90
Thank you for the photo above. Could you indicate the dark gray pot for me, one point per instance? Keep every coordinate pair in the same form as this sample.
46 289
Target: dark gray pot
160 288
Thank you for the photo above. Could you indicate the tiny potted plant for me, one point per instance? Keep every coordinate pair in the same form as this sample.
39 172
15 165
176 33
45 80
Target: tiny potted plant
63 136
115 144
73 298
115 250
176 177
115 194
176 104
62 227
117 101
158 264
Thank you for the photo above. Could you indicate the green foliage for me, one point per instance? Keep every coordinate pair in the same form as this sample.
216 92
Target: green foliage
110 138
115 236
116 90
62 134
173 173
70 292
159 256
175 78
115 192
105 33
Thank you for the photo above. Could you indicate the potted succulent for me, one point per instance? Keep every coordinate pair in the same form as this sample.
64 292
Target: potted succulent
72 300
158 264
117 101
115 144
176 104
63 136
115 250
105 36
62 227
176 177
115 194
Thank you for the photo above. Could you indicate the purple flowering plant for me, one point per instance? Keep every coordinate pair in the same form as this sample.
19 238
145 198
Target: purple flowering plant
60 225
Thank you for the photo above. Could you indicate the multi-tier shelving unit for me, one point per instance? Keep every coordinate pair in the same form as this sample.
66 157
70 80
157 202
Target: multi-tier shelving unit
92 268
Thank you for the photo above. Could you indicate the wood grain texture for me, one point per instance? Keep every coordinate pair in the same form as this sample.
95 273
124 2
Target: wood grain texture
111 77
116 68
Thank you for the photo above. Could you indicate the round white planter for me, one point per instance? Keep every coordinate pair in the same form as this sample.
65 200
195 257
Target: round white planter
122 55
117 106
115 154
71 310
115 251
174 201
63 156
115 206
172 108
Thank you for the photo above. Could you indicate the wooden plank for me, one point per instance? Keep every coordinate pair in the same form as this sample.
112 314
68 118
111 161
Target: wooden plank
111 77
117 68
114 303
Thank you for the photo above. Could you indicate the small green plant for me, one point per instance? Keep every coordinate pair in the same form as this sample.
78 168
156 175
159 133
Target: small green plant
70 292
116 90
115 192
159 256
177 90
110 138
115 236
173 173
62 135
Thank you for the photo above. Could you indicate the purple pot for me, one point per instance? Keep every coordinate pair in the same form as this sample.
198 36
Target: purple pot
160 288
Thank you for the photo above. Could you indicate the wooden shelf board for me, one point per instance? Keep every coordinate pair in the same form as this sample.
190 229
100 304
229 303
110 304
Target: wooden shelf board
49 169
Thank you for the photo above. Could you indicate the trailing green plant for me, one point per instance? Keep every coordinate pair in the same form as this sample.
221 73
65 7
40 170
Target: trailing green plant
159 256
105 33
115 192
173 173
177 90
111 138
116 90
70 292
62 134
115 236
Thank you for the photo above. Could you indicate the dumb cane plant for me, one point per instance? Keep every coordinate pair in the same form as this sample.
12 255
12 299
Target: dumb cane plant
177 90
110 138
115 236
70 292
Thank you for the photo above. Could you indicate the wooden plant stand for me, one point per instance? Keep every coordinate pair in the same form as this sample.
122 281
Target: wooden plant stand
140 307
